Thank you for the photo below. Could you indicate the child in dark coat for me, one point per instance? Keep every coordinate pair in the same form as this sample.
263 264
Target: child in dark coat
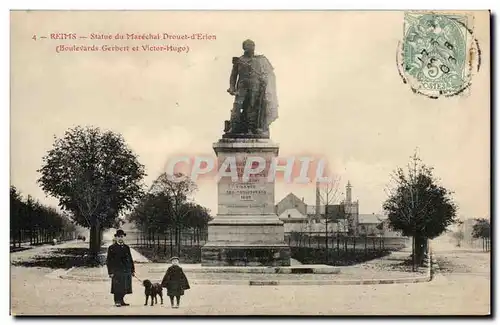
175 281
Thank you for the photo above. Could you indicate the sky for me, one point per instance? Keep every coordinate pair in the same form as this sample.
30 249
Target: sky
340 97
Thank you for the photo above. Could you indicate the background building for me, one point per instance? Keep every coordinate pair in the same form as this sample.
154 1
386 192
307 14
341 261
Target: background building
344 217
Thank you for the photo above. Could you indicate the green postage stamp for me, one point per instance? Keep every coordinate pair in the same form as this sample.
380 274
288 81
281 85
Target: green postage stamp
438 51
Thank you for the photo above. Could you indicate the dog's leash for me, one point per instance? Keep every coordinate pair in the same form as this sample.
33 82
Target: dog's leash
137 278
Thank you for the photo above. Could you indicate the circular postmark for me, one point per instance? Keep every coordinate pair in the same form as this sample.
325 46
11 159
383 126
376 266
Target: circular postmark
439 54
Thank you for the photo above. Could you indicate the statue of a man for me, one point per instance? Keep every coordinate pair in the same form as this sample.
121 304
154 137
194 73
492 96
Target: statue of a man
252 82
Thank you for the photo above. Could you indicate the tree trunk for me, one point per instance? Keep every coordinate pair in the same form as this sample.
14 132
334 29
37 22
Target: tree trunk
413 253
171 243
326 233
179 243
95 239
420 246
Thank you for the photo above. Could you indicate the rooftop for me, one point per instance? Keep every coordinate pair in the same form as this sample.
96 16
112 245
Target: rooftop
371 218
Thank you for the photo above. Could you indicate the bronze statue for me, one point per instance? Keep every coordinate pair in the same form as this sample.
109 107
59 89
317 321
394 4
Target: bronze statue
252 82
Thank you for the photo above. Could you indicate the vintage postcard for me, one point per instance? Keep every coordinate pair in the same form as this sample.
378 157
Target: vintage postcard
250 163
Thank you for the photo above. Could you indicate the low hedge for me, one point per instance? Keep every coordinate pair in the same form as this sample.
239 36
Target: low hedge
305 255
188 254
334 257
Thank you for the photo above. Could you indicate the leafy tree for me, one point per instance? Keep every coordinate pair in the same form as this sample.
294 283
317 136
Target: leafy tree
94 175
16 215
29 214
196 218
418 206
179 189
153 213
167 208
31 218
482 229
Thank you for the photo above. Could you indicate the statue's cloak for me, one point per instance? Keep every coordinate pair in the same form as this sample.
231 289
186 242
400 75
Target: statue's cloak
270 96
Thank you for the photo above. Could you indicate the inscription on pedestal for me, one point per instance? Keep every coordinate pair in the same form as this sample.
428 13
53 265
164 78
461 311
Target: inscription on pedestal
250 196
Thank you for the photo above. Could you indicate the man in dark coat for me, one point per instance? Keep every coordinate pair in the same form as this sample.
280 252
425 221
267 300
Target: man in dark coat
120 268
175 281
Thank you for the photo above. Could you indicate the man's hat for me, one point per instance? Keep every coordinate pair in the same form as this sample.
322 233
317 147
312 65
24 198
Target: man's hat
174 258
121 233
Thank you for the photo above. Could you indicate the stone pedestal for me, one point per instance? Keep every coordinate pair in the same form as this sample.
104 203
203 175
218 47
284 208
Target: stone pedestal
246 230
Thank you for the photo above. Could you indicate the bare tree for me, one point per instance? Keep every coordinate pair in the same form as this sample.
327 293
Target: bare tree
459 234
328 194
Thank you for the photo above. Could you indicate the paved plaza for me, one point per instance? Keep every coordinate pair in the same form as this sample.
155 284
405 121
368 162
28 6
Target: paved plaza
461 286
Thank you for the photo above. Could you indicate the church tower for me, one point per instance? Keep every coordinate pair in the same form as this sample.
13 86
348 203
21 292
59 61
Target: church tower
348 193
318 203
351 210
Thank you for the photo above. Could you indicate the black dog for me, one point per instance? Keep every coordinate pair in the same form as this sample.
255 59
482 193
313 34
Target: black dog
152 290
